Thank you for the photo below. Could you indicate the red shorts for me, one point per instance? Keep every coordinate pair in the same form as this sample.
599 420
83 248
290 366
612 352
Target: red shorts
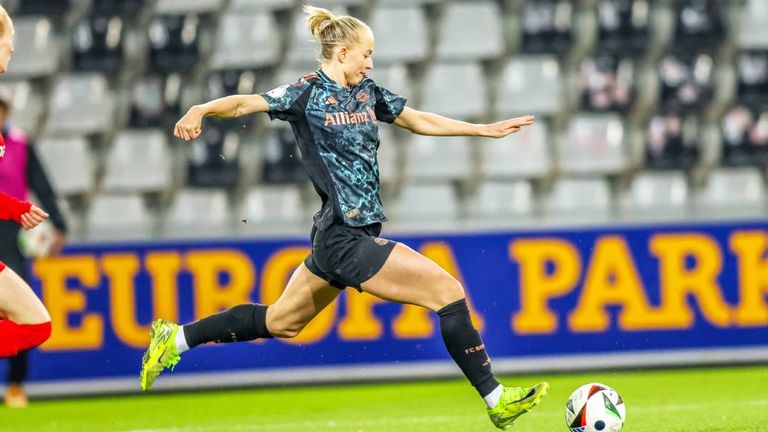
2 266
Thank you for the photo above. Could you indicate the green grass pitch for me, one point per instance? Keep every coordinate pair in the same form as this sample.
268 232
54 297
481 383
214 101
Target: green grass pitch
686 400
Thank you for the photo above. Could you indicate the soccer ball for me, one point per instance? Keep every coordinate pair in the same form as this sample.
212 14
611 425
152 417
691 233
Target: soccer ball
595 407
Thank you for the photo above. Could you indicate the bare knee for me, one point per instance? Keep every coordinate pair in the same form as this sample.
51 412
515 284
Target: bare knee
449 290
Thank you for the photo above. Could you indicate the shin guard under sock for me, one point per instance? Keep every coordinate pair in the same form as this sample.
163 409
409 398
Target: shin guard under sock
465 346
241 323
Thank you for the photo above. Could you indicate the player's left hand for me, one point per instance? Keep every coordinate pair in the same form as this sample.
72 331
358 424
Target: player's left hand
506 127
33 217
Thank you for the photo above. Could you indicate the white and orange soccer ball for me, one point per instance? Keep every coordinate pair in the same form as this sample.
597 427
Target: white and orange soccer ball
595 407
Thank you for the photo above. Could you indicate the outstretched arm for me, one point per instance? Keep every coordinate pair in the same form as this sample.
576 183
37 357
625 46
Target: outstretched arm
425 123
26 214
190 126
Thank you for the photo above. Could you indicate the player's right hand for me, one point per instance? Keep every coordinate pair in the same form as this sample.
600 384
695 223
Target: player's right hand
190 126
33 217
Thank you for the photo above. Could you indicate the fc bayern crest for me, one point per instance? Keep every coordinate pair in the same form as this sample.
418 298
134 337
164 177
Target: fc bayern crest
362 97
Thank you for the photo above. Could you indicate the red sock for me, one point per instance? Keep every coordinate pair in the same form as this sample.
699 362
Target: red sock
18 337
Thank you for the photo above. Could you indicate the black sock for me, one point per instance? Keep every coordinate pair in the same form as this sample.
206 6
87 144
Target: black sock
466 347
241 323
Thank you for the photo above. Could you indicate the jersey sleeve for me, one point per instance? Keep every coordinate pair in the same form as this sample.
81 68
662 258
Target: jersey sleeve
11 208
282 100
388 105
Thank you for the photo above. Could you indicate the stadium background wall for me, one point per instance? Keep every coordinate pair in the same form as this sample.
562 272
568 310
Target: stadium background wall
543 300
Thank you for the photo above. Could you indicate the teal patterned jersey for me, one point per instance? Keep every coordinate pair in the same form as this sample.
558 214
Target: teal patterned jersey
338 135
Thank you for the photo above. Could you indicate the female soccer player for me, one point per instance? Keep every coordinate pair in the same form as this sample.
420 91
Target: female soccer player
334 113
24 321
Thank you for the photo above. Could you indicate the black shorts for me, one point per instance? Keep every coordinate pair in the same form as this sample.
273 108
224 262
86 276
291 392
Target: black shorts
347 256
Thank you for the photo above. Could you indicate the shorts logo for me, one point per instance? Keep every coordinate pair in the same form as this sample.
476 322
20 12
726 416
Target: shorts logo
352 213
380 241
362 97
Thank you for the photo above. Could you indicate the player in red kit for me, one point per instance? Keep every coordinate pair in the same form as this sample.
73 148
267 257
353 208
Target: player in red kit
24 321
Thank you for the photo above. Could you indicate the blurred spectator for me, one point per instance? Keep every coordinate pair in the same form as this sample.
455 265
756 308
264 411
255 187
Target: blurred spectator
686 81
547 26
623 26
20 173
745 136
672 142
699 24
752 70
606 83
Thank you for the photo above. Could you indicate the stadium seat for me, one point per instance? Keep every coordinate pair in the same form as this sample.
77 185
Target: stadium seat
80 104
686 81
752 72
281 162
547 26
579 199
425 203
198 208
623 26
745 136
594 145
52 8
394 78
518 97
438 158
733 190
521 155
259 5
113 217
171 7
408 41
470 31
303 49
174 42
27 105
606 83
214 158
272 205
496 199
36 50
672 142
246 40
657 193
157 100
98 44
69 164
753 33
139 161
467 98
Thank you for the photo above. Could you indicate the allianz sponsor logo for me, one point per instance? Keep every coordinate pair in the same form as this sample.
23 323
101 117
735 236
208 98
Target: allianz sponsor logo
346 118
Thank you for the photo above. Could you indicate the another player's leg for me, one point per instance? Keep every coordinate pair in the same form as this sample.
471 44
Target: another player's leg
25 322
409 277
304 297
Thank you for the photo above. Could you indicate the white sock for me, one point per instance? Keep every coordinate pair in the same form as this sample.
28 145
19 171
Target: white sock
181 341
493 397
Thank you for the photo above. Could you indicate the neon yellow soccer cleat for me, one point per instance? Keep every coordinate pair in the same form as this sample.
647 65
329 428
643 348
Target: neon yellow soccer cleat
161 353
514 402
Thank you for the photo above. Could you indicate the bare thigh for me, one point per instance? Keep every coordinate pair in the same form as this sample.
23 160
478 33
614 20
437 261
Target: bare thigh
305 296
18 302
409 277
